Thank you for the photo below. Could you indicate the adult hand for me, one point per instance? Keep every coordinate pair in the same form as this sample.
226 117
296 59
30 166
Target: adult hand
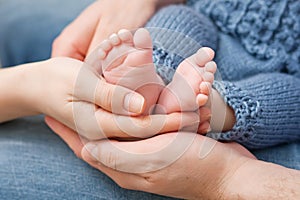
100 20
206 170
201 171
77 96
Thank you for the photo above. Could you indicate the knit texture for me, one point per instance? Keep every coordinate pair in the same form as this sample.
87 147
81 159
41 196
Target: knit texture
177 33
266 108
267 29
236 63
266 104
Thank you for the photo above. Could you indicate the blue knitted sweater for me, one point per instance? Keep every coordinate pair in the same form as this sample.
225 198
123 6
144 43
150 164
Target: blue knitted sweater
257 52
267 29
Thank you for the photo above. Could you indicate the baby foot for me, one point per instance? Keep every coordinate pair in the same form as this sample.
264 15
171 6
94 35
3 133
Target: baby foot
127 61
191 86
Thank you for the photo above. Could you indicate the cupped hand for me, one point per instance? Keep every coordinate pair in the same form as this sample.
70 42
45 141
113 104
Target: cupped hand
97 22
74 94
202 170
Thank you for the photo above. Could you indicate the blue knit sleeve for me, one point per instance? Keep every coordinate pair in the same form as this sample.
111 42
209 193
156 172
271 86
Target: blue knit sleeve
267 29
267 110
191 2
178 32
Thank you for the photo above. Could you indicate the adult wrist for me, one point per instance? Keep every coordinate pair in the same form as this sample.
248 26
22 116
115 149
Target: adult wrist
217 178
261 180
15 93
32 86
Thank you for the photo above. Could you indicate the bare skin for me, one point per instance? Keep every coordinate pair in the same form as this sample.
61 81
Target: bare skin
98 21
228 172
127 61
192 80
190 88
71 92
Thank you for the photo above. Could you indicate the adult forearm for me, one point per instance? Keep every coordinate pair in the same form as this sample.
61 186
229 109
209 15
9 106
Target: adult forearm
261 180
14 93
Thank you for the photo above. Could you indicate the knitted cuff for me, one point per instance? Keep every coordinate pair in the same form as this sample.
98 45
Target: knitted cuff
246 109
178 32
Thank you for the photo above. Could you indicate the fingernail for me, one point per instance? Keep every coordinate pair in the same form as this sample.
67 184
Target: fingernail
102 54
134 103
92 149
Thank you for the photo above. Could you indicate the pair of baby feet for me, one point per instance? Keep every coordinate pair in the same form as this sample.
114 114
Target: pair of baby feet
126 59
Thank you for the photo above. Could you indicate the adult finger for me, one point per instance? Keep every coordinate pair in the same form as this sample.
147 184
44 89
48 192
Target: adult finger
91 87
104 124
142 156
124 180
126 18
143 126
75 39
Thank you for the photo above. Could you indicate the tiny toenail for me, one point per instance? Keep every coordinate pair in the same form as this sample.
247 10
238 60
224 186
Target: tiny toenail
124 35
102 54
114 39
211 67
105 45
114 35
205 85
201 99
209 52
122 31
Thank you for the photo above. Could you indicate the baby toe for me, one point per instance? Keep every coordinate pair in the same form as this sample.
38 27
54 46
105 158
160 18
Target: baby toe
104 48
205 88
203 56
211 67
102 54
125 35
105 45
201 99
142 39
114 39
208 77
